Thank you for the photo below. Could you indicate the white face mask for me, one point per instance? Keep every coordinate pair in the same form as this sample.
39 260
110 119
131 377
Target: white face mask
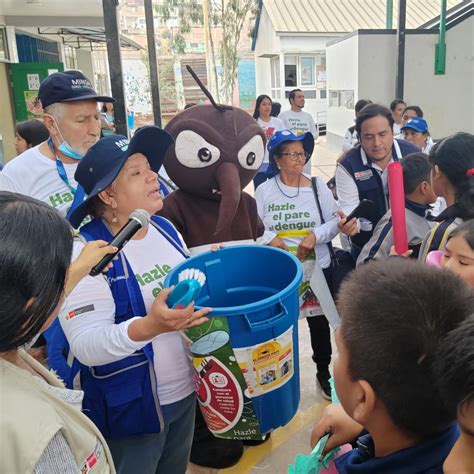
64 147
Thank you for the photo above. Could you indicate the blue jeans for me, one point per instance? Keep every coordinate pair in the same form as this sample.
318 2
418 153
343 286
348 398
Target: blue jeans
160 453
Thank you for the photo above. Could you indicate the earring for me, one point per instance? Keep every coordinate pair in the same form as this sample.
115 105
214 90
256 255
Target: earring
114 217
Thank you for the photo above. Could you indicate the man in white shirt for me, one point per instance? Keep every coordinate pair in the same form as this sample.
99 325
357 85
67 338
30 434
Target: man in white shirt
71 114
297 121
362 172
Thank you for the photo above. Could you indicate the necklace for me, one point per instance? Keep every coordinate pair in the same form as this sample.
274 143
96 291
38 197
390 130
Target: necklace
284 194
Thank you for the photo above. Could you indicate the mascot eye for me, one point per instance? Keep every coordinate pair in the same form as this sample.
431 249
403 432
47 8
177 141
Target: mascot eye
251 154
193 151
251 158
204 154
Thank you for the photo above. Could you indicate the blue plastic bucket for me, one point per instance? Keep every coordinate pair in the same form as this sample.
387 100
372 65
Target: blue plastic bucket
250 342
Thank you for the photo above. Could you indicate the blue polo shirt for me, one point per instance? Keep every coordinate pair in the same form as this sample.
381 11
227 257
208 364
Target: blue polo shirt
424 458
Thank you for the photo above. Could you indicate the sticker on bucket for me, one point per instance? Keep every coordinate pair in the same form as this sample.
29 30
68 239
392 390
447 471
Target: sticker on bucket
220 385
269 365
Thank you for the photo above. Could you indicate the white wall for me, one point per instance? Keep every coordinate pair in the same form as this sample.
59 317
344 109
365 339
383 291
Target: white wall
342 74
304 44
84 63
447 100
267 43
377 67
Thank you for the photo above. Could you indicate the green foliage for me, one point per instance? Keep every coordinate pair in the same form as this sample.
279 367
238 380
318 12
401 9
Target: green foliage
228 15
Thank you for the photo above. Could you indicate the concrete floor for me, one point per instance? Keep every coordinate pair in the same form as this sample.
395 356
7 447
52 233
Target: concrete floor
275 455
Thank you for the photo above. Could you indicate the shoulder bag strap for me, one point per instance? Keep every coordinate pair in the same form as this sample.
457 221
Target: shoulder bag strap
314 185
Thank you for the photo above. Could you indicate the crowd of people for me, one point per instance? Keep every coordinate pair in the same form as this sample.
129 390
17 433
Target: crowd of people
404 368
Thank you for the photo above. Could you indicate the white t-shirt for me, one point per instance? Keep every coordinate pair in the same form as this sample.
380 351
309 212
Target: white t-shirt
34 174
291 218
94 337
270 127
298 122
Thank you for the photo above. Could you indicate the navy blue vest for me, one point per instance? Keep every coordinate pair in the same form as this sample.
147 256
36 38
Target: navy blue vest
369 184
121 397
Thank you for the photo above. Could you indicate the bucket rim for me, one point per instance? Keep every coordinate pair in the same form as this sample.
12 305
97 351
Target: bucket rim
250 307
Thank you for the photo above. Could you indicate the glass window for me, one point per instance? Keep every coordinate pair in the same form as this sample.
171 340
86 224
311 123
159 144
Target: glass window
333 99
307 71
322 93
291 73
3 44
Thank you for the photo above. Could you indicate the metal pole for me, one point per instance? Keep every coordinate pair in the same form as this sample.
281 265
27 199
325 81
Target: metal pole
400 79
114 56
440 51
150 37
389 15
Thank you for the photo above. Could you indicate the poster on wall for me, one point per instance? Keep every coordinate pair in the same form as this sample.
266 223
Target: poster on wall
307 71
33 82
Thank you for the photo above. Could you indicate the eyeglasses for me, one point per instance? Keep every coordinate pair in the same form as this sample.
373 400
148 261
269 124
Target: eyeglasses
295 155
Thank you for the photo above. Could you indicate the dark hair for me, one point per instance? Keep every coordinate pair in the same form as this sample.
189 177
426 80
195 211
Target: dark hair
104 106
466 230
371 111
395 102
35 252
416 109
260 98
416 169
32 131
455 157
394 315
276 108
293 94
454 366
360 104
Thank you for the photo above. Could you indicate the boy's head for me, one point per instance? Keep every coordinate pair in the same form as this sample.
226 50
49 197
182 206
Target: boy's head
394 315
416 178
454 369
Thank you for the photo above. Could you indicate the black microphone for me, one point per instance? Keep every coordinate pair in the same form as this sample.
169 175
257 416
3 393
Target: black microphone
138 219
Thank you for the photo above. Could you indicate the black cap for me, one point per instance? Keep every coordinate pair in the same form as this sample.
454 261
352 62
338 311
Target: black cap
68 86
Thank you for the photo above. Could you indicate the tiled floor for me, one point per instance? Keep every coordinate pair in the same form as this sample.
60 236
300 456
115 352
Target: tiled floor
274 456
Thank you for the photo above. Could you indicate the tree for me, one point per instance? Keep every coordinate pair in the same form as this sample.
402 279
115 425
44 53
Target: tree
228 15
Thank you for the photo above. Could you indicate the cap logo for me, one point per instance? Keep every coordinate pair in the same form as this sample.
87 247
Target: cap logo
80 84
122 144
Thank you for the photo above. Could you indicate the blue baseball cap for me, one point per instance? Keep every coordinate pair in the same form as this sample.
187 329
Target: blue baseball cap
286 136
68 86
416 123
103 161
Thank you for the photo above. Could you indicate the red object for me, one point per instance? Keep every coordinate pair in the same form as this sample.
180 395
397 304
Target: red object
397 205
470 172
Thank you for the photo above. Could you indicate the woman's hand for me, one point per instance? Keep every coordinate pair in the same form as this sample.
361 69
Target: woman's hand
278 243
349 228
306 246
161 319
91 255
336 421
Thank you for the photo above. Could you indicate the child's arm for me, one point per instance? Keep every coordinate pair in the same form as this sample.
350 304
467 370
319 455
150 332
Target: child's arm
336 421
91 254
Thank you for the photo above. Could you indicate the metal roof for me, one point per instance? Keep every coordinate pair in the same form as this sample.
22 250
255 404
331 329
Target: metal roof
343 16
93 39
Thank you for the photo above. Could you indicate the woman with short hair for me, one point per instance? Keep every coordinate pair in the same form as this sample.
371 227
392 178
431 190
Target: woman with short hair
135 373
28 134
303 220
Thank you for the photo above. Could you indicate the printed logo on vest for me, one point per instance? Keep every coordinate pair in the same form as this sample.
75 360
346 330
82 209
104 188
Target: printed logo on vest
92 459
363 175
78 311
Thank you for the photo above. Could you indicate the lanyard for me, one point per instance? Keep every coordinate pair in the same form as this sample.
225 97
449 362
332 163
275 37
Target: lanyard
80 194
60 167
